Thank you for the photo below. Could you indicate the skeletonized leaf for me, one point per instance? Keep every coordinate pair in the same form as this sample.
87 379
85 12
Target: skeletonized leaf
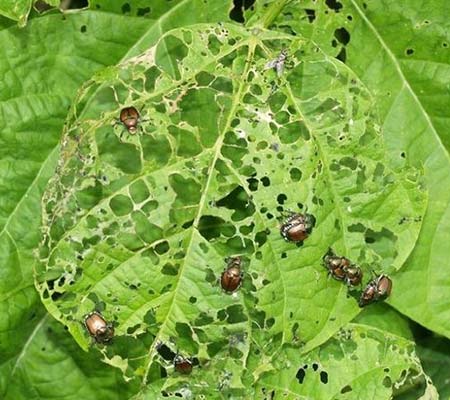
139 224
358 362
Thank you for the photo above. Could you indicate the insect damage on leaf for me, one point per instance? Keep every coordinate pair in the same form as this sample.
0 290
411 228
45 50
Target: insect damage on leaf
140 223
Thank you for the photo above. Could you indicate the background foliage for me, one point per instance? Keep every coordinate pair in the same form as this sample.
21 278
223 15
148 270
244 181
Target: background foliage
382 65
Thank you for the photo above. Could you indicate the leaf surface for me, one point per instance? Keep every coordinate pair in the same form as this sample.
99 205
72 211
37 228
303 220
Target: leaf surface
358 362
16 10
399 49
37 92
139 226
68 373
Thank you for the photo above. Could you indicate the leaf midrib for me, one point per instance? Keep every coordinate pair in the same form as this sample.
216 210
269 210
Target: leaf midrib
217 147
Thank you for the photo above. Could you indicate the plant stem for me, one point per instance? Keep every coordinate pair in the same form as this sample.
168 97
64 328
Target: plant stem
272 12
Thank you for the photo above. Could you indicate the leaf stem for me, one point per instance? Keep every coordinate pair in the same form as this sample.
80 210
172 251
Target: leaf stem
272 12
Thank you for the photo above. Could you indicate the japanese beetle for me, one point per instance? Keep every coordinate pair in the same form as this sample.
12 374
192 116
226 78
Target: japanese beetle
297 227
232 276
353 275
342 269
182 365
378 288
336 265
98 327
129 117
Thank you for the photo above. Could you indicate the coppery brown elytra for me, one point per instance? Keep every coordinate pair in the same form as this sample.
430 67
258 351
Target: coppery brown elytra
182 365
129 117
231 278
377 289
342 269
297 227
99 329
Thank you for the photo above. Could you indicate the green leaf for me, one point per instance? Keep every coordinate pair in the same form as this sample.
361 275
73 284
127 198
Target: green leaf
384 317
16 10
39 87
68 372
434 352
358 362
138 226
400 51
35 99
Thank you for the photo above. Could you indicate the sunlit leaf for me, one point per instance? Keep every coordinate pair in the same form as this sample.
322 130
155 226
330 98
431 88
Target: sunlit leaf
138 225
41 75
359 362
16 10
400 50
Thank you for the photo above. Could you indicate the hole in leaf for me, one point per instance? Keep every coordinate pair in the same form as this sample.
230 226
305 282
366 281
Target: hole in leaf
281 198
342 56
239 201
324 377
169 269
162 248
165 352
143 11
261 237
296 174
89 197
387 382
126 8
236 314
334 5
342 35
237 12
121 205
346 389
215 347
265 181
300 375
170 54
139 191
203 319
311 14
210 226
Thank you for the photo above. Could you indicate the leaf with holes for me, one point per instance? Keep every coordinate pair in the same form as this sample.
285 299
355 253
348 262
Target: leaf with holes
349 366
16 10
400 50
192 153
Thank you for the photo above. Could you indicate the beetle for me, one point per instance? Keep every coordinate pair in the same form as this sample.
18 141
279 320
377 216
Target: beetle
353 275
342 269
129 117
297 227
231 278
336 265
98 327
378 288
182 364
